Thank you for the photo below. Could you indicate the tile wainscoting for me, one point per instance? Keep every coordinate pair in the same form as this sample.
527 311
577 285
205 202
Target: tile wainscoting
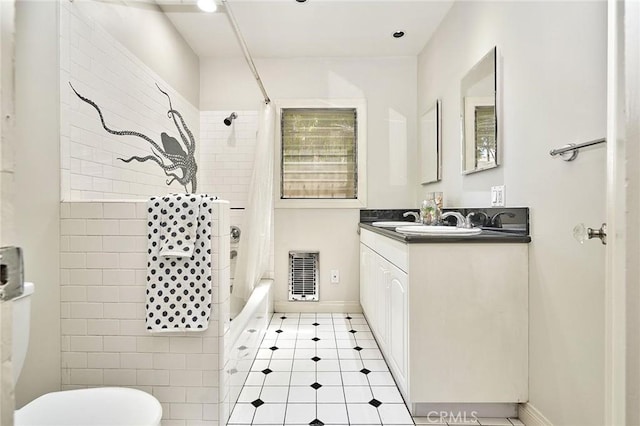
104 341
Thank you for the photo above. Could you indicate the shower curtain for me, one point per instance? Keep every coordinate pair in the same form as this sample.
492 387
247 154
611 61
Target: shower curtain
254 248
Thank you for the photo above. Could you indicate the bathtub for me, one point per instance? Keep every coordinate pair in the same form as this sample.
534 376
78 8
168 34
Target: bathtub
241 342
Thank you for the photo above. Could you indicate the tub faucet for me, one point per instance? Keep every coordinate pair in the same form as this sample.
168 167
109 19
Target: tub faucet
415 215
461 221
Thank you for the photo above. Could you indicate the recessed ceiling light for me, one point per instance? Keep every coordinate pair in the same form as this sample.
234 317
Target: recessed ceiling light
301 1
398 34
209 6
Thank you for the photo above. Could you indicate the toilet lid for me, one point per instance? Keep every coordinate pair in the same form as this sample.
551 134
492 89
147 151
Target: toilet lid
85 407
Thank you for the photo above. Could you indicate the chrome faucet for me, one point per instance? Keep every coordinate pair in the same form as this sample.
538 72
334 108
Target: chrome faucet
496 222
415 215
461 221
469 222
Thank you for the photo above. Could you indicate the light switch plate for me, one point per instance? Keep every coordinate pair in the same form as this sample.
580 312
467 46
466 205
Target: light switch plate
497 196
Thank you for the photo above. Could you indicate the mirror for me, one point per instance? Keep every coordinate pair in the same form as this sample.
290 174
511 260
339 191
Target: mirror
479 116
430 145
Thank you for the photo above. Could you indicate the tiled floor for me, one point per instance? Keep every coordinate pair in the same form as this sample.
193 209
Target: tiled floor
322 369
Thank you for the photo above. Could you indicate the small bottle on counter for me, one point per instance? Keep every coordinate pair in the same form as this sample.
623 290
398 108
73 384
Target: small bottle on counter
431 209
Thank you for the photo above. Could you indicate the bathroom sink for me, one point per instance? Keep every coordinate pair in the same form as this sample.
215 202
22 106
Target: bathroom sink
438 230
395 223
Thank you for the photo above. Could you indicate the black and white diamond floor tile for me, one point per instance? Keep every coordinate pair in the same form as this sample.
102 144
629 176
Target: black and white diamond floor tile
320 369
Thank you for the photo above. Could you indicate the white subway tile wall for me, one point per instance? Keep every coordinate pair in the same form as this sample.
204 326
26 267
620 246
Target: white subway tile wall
226 160
227 155
103 70
104 340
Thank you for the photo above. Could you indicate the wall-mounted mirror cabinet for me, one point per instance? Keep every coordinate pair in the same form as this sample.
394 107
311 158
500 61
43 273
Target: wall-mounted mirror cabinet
430 144
479 95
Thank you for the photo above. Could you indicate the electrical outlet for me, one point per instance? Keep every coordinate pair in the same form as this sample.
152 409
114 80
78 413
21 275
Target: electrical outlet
335 276
497 196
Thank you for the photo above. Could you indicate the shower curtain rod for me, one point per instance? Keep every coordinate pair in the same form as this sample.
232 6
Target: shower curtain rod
245 50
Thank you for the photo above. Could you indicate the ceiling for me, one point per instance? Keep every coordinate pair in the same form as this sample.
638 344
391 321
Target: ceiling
317 28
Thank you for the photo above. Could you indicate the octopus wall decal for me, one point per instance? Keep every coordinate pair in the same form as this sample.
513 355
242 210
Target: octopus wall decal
176 160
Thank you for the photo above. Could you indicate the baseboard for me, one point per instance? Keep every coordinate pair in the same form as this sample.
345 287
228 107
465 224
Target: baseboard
464 410
531 416
321 307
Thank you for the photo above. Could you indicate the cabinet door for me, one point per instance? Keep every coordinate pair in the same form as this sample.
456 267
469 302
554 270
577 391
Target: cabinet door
381 285
398 326
365 279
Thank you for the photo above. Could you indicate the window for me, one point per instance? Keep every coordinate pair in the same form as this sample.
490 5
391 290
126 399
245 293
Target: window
321 156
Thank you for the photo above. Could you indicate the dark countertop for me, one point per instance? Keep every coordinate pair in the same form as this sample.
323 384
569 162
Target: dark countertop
498 224
486 236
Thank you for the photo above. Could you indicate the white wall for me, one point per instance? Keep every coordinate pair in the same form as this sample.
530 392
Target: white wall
146 31
553 63
389 87
226 155
37 189
127 91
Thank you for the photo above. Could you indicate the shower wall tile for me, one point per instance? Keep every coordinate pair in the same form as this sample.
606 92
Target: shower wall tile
119 344
104 340
85 210
73 260
120 377
74 360
103 70
83 243
76 327
85 344
73 227
102 294
119 210
82 276
227 155
73 294
175 394
103 327
102 227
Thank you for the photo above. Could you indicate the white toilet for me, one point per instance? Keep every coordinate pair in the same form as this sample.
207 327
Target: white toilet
112 406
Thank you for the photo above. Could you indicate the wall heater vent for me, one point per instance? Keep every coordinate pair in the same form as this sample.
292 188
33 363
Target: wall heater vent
303 275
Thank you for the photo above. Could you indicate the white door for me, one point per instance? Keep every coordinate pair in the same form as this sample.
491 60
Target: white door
7 31
622 297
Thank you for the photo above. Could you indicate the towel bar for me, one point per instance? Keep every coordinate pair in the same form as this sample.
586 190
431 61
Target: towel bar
575 148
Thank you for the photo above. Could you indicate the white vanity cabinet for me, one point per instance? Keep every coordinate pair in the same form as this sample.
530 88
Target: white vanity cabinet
384 299
451 318
397 314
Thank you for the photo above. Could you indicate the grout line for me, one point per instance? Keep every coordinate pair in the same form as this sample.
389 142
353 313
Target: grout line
315 333
295 346
340 372
366 375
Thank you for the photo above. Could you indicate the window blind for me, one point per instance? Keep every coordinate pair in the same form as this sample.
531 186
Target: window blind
319 153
